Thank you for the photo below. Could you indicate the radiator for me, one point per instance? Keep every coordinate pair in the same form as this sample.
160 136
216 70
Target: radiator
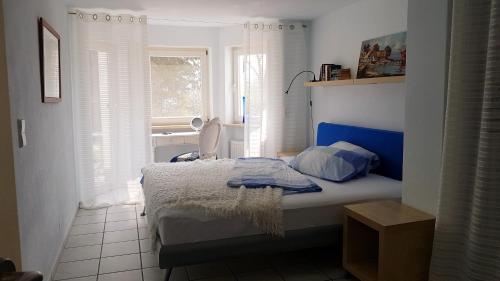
236 149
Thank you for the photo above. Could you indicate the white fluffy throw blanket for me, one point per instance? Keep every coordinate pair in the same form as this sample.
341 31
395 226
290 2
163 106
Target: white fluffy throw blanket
202 184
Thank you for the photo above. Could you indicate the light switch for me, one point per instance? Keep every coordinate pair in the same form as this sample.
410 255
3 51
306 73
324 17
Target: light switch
21 131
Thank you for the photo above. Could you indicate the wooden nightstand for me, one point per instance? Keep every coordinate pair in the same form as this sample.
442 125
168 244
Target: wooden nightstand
387 241
281 154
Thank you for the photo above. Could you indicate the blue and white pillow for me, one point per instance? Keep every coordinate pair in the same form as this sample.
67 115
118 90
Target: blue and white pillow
331 163
374 159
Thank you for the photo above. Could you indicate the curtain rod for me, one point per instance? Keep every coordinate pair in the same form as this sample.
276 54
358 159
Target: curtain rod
179 20
186 20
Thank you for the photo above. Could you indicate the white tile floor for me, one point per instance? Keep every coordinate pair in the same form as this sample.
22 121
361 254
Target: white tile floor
113 245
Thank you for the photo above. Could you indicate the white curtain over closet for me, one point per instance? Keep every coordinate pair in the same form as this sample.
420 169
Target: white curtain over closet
274 53
467 240
112 106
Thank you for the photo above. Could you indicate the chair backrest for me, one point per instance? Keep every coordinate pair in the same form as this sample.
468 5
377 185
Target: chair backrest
209 138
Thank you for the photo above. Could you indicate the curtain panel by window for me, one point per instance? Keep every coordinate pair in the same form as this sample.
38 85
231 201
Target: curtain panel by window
112 109
274 53
467 240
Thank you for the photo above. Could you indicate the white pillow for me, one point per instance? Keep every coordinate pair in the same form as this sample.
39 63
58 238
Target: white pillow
374 159
331 163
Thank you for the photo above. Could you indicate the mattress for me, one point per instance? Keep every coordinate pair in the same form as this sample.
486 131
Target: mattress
300 211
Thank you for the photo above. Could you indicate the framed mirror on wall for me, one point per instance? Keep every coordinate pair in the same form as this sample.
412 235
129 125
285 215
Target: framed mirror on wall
50 62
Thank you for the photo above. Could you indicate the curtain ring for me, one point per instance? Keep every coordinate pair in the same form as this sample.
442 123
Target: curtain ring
120 18
94 16
131 19
140 19
280 26
256 26
80 15
292 27
108 17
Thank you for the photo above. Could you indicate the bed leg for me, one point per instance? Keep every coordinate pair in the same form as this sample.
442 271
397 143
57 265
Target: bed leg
143 211
168 273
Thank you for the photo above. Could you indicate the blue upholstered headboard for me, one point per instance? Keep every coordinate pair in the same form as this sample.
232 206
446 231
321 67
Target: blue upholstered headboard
388 145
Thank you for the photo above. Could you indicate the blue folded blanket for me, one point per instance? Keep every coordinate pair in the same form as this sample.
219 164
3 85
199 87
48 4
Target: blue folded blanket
260 172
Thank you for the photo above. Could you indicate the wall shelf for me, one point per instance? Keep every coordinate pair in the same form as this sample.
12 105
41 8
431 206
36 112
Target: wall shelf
329 83
365 81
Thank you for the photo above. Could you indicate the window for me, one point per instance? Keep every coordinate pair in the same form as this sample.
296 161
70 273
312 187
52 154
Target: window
179 84
241 78
238 59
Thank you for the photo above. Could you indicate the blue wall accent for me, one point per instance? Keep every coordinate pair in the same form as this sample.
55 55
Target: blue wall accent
388 145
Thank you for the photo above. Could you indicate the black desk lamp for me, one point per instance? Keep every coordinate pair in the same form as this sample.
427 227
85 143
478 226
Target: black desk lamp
289 86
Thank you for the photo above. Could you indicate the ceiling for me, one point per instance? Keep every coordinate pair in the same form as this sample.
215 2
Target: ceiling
214 12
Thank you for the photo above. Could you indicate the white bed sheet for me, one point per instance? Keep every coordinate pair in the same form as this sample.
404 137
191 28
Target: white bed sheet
299 211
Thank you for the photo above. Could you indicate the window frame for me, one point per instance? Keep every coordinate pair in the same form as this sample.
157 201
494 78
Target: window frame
202 52
236 52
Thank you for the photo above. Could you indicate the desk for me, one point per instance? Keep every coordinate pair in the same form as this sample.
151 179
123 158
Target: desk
177 134
175 138
167 146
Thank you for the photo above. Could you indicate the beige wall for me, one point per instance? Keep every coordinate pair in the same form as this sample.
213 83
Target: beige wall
9 236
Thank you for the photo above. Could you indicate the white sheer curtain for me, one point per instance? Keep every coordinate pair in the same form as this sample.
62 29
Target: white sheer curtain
112 106
273 121
467 239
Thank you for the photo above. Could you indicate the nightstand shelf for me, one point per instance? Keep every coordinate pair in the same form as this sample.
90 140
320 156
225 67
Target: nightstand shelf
387 241
364 81
366 269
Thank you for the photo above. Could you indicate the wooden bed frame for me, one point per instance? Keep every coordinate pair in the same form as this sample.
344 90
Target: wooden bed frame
388 145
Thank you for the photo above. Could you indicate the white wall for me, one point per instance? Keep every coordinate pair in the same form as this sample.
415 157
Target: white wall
336 38
416 107
45 175
425 102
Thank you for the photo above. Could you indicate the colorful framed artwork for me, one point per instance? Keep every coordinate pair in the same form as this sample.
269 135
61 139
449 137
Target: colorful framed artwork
50 62
383 56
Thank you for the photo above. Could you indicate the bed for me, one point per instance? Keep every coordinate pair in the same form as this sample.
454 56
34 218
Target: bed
310 219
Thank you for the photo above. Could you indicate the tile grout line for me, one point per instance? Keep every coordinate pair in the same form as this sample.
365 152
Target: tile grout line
85 233
231 270
89 215
89 245
99 257
102 243
139 241
71 278
120 230
273 268
112 272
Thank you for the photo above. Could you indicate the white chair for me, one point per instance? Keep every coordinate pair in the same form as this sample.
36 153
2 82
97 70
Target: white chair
209 139
208 143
